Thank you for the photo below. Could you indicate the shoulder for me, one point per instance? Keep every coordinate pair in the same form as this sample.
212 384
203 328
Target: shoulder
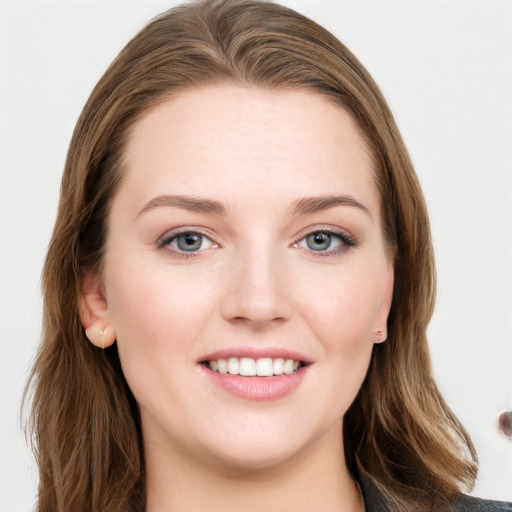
470 504
375 502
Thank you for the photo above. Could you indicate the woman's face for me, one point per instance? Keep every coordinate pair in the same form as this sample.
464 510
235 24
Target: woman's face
245 238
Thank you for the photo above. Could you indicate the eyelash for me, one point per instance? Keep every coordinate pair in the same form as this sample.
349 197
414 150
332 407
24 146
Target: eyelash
165 241
347 241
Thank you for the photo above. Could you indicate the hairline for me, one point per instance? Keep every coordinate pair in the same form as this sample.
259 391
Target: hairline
213 81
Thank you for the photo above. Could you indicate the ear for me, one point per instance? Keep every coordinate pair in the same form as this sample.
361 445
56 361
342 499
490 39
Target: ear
381 328
94 312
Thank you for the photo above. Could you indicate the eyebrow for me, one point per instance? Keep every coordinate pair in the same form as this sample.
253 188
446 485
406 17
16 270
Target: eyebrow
191 203
305 205
320 203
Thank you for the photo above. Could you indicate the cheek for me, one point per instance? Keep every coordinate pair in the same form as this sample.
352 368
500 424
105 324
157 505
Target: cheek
157 310
345 313
343 322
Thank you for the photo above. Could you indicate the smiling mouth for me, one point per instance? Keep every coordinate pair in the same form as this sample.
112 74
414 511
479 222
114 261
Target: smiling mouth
248 367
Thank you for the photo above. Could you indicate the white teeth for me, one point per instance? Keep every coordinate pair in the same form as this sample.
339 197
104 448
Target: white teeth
233 365
248 367
222 366
278 366
288 367
264 367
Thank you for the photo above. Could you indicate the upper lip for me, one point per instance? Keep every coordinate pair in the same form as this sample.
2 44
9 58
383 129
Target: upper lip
256 353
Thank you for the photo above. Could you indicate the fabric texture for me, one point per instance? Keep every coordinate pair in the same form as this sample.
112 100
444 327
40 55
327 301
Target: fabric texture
374 501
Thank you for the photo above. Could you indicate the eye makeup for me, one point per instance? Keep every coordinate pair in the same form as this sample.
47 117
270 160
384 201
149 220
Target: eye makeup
326 241
319 241
185 242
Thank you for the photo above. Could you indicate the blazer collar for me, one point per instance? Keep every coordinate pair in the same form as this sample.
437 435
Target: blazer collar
372 497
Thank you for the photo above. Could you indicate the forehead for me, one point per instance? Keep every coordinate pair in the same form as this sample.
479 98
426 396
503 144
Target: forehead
224 139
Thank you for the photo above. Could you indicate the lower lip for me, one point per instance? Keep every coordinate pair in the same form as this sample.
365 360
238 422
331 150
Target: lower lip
260 389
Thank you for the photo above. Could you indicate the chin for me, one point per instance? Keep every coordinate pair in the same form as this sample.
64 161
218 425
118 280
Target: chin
256 459
260 449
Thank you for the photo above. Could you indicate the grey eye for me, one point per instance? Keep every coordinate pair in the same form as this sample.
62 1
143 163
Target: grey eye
185 242
319 241
189 242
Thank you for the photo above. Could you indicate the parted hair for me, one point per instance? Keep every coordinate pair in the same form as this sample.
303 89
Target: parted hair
84 423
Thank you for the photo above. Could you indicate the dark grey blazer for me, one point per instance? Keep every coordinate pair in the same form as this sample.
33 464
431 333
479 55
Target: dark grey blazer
374 503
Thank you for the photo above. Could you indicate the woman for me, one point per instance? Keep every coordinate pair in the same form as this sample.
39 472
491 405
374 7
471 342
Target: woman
233 315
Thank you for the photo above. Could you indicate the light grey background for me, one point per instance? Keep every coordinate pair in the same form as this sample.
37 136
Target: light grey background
446 70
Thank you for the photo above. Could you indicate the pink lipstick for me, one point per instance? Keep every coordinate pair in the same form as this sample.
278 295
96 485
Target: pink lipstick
255 373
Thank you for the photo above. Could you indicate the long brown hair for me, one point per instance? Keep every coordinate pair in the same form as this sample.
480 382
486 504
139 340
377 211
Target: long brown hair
398 433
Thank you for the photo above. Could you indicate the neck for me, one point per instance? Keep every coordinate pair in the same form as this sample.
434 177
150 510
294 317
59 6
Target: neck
315 479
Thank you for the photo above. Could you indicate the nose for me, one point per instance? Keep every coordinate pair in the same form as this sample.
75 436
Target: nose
258 291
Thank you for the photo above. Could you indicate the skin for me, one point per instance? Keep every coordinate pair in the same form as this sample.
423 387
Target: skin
254 282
